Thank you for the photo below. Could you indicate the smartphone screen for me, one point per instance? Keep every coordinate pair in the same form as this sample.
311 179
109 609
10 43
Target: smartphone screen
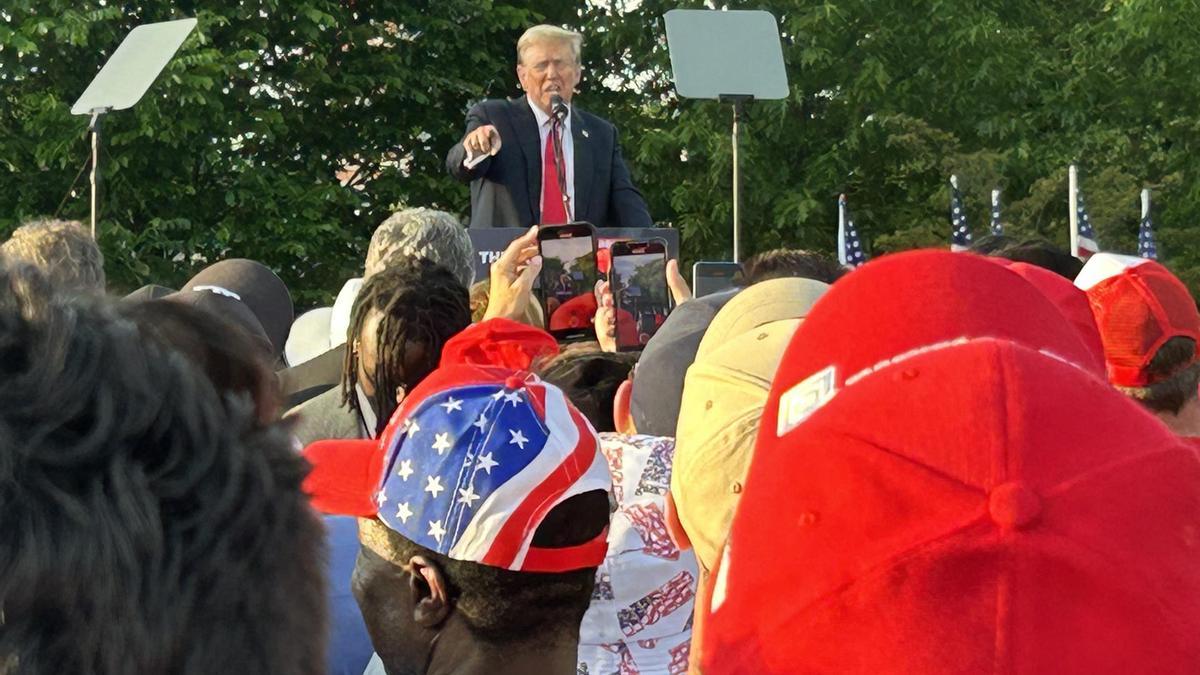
713 277
640 293
568 279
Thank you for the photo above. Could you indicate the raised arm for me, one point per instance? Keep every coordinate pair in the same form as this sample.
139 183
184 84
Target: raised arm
478 135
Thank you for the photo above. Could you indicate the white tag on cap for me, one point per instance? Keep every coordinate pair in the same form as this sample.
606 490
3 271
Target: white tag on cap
805 398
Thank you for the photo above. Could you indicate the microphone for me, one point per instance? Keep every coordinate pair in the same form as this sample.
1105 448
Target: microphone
558 108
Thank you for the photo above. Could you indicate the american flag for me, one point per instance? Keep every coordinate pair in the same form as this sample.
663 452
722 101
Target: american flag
960 234
850 250
472 470
1147 248
657 604
997 225
1086 243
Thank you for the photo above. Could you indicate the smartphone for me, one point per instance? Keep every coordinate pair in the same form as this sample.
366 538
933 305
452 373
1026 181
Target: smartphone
713 277
640 294
568 279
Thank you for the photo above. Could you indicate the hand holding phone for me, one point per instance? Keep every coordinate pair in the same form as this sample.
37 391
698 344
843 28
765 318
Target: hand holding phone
512 277
568 278
642 297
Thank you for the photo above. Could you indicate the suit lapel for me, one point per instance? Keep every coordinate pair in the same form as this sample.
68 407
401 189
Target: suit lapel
526 127
584 169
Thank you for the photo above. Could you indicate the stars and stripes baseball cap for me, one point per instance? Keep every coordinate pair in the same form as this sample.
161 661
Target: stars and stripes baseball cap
474 459
1138 305
964 496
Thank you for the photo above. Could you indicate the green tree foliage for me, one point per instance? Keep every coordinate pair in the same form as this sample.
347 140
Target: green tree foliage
238 148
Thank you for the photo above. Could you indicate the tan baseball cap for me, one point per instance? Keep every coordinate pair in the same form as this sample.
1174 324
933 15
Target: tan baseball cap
723 397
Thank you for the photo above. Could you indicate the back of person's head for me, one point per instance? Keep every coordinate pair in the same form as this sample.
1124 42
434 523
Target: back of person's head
1037 252
948 503
989 244
590 379
148 528
235 361
786 262
483 507
724 392
248 292
422 233
63 250
410 309
1149 326
1175 372
658 378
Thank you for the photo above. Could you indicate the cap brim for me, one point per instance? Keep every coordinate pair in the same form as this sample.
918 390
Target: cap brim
345 476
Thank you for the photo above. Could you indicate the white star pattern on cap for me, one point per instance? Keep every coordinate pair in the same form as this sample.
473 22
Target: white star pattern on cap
498 395
405 469
433 485
404 513
436 530
380 497
513 397
481 423
518 438
411 427
442 443
468 496
452 404
486 462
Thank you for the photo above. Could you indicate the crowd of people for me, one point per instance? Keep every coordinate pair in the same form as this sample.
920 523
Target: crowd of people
937 462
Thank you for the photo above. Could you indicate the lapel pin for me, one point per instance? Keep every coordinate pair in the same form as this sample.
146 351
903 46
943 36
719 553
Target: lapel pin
585 133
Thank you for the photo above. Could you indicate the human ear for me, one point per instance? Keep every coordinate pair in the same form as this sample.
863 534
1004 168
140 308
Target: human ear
431 604
622 408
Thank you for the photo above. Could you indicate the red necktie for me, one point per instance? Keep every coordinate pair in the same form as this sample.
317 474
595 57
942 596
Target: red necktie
553 212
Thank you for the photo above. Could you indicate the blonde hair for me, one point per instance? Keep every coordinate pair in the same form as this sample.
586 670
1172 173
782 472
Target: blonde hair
481 293
546 33
63 251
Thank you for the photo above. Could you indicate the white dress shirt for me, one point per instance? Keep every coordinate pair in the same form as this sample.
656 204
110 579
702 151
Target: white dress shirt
568 151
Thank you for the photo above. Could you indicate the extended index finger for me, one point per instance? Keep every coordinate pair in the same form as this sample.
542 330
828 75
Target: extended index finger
516 250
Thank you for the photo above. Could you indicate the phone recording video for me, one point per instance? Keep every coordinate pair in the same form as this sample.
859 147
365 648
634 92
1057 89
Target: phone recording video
568 279
639 286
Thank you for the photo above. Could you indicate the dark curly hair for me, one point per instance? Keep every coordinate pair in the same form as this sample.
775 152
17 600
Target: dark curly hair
785 262
147 527
419 302
1174 374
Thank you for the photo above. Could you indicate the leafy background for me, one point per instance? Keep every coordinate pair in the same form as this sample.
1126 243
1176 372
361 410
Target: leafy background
287 129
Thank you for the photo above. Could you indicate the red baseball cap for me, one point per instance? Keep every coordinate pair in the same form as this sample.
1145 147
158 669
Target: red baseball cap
961 496
1138 305
1069 300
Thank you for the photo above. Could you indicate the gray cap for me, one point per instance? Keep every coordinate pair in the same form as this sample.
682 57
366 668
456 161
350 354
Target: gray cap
658 380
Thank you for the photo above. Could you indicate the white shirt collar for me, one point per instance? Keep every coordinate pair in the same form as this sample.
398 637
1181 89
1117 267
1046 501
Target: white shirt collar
541 115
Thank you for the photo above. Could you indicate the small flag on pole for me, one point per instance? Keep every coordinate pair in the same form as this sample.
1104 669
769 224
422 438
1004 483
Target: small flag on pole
1147 248
997 226
850 250
1086 243
960 236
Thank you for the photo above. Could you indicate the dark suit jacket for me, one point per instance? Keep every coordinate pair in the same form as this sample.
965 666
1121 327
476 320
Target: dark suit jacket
506 189
323 418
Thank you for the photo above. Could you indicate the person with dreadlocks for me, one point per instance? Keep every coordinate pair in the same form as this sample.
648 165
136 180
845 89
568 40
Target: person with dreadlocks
401 318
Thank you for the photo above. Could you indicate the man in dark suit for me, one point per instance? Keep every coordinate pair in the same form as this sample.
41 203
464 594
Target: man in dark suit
508 154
